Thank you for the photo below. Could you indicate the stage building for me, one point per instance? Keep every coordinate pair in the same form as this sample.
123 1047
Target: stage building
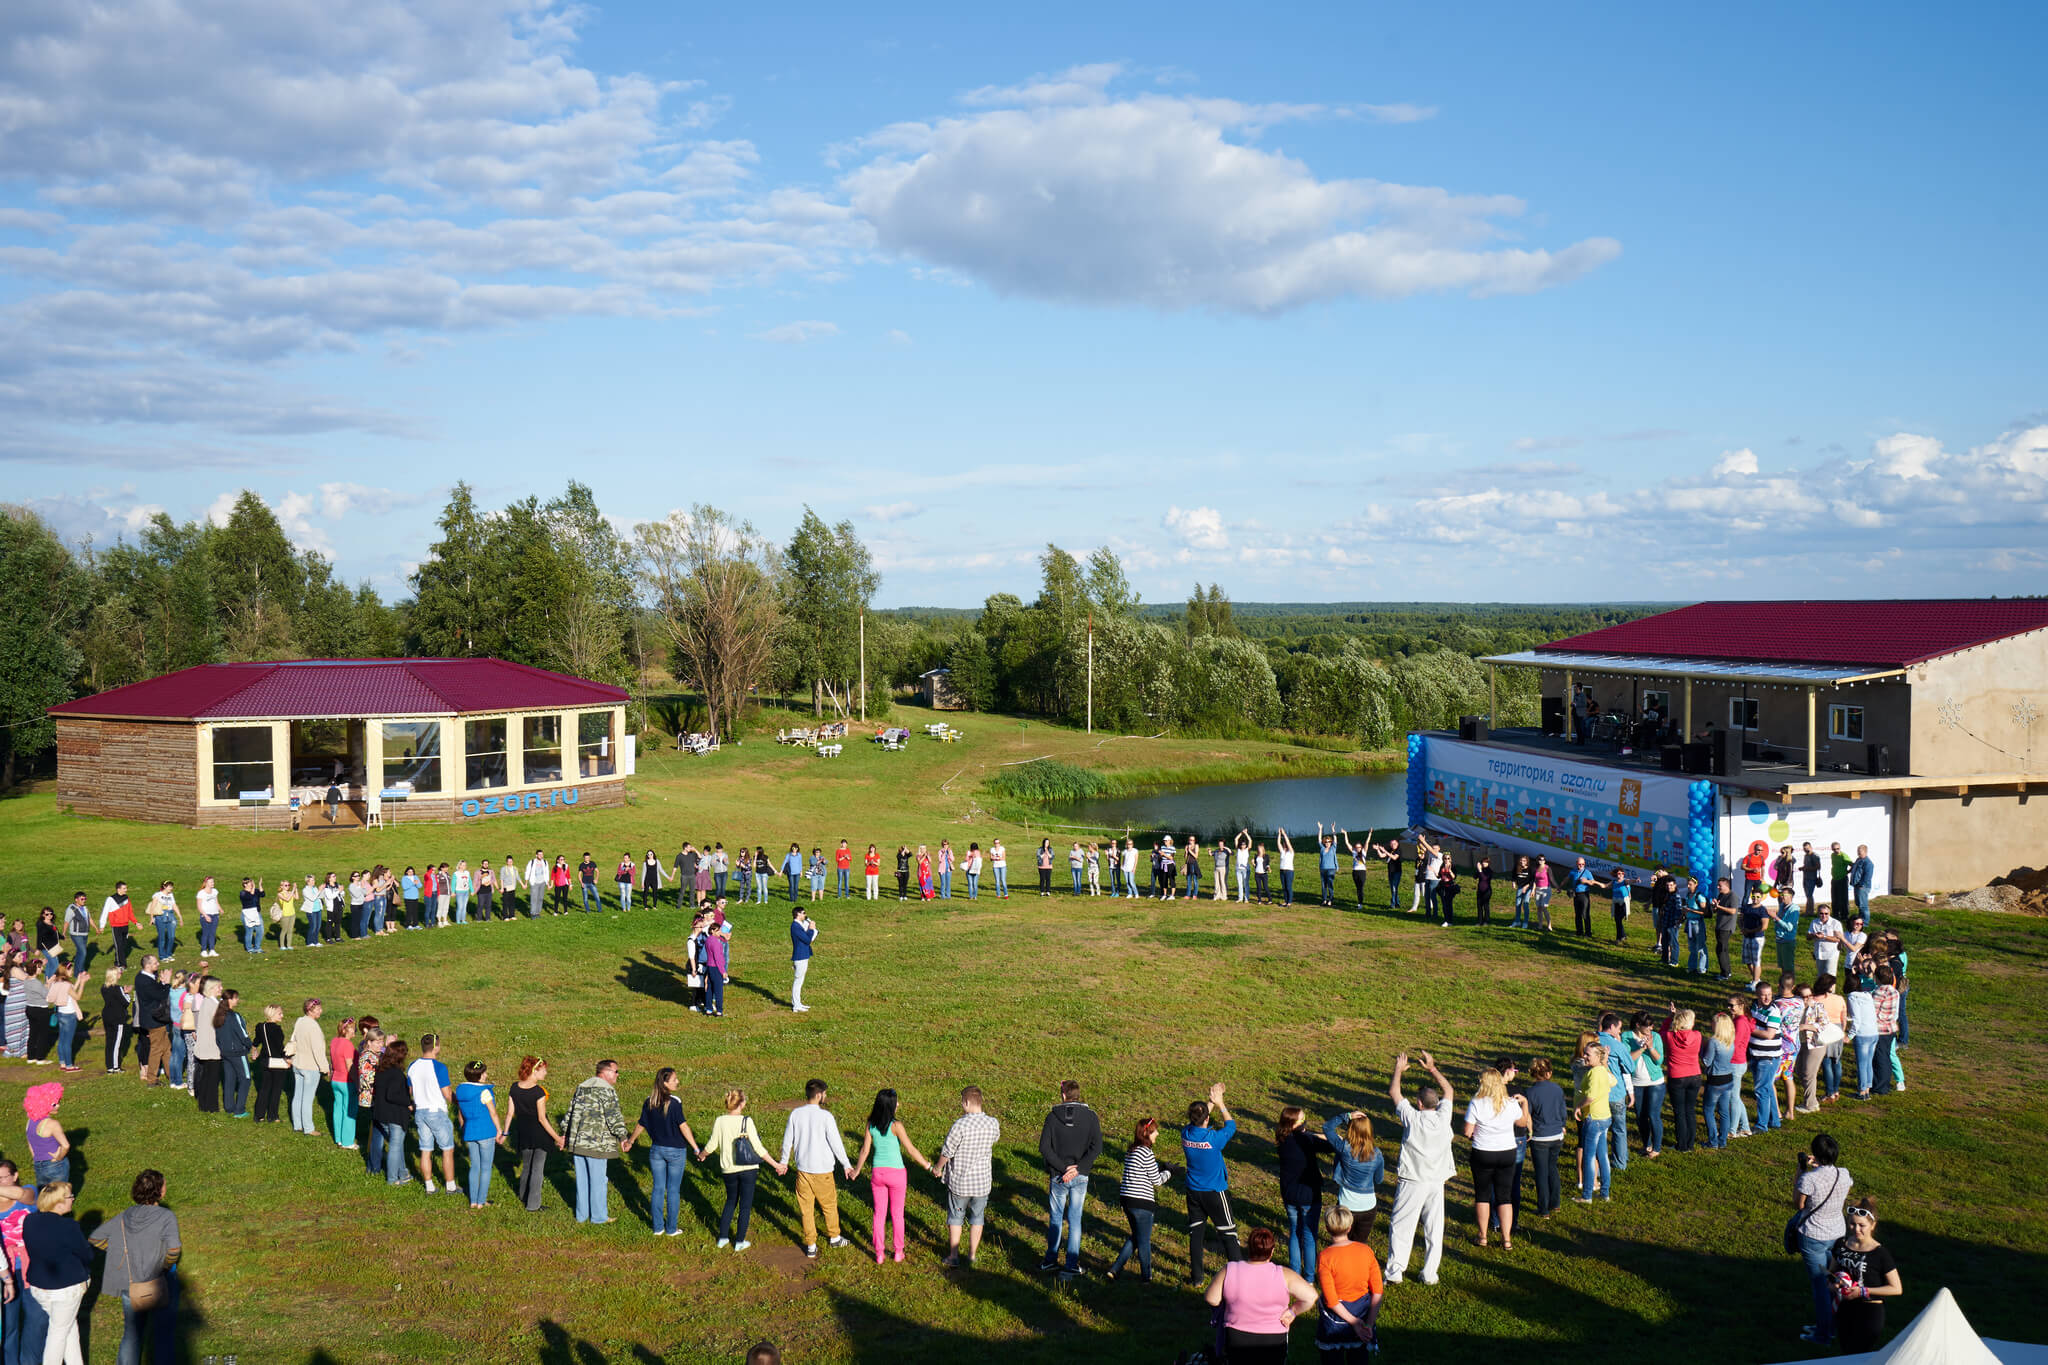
265 745
1915 727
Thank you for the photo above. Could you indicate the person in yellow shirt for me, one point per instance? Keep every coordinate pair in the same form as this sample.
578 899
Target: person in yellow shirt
286 912
1591 1107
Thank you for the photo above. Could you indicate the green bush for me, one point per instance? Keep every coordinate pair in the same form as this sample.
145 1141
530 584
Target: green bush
1048 781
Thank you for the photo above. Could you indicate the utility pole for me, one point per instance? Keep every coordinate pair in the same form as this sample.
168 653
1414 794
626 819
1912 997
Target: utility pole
863 668
1091 672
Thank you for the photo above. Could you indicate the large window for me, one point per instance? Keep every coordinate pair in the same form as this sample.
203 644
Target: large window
241 760
483 743
1742 713
541 748
597 750
412 755
1845 722
1660 702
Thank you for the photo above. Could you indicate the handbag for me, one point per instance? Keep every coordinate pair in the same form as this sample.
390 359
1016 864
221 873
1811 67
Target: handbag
1830 1034
1796 1225
143 1295
743 1153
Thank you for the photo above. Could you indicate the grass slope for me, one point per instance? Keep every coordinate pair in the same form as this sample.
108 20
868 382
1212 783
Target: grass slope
294 1255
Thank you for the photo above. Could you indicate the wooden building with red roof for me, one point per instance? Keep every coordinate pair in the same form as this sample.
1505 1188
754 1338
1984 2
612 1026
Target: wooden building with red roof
333 742
1940 706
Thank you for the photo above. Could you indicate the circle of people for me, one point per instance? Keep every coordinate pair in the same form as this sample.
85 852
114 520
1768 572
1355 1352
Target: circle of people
1788 1035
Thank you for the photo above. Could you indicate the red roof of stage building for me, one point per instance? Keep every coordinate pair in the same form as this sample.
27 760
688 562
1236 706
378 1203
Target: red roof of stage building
305 688
1883 634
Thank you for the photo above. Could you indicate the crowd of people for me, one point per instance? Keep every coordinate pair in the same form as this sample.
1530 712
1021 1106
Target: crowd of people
407 1113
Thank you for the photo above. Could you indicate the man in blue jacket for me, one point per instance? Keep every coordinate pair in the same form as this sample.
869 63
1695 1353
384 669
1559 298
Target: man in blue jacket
1208 1187
801 934
1862 873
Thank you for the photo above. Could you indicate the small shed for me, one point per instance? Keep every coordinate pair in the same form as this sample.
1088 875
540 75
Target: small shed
936 687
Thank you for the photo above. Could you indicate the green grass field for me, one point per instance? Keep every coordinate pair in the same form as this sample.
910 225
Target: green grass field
292 1254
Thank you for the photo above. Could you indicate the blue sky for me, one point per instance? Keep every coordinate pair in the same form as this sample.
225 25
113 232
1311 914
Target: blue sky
1324 303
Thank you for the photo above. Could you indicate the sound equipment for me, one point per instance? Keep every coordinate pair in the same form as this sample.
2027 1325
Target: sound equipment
1472 729
1697 758
1553 715
1672 757
1728 754
1880 760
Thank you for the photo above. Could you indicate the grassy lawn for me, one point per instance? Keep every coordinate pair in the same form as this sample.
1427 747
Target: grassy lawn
294 1255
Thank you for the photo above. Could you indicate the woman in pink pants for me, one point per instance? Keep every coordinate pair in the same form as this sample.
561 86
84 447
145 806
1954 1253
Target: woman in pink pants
888 1181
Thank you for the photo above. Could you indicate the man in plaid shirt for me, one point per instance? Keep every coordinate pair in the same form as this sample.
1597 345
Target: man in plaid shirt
966 1165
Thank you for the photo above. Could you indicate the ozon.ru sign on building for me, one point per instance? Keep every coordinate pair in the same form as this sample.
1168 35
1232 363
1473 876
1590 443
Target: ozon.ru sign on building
518 801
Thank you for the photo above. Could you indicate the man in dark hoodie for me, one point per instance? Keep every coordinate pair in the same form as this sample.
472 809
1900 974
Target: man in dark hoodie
153 1017
1070 1144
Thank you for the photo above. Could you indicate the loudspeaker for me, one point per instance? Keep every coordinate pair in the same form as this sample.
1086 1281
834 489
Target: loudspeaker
1553 715
1472 728
1727 754
1697 758
1879 763
1672 757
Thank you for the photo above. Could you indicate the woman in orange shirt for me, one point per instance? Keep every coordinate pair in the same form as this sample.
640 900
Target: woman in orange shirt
1348 1274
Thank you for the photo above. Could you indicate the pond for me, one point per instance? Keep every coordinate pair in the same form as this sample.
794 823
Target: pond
1356 802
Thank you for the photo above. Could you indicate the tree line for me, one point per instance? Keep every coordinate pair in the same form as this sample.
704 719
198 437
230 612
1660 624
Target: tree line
732 615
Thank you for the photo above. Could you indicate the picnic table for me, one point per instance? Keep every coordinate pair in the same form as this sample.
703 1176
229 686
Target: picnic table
829 750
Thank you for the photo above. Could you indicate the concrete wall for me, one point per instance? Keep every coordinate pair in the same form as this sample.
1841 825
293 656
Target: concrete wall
1984 685
1954 843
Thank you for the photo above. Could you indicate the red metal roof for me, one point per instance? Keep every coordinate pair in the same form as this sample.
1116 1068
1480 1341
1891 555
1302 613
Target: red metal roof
1881 633
305 688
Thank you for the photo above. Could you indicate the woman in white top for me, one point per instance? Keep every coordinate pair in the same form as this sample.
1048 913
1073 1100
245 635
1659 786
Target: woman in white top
462 885
999 863
1222 860
1490 1122
207 898
1286 868
1244 860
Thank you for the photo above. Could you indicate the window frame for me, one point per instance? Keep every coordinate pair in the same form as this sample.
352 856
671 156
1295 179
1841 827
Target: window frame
268 763
528 750
393 770
601 754
1753 712
471 754
1838 716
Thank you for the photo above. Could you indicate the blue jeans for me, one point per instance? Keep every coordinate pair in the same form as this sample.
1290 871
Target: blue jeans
973 885
313 915
760 890
1394 893
792 886
1329 876
166 941
1077 878
1593 1149
817 885
1763 1078
667 1165
24 1324
1696 946
946 894
1066 1199
1898 1045
67 1037
481 1155
1140 1241
1650 1115
718 880
158 1324
305 1092
1816 1252
1522 907
1866 1053
394 1151
178 1045
209 933
1831 1071
1721 1102
845 882
1287 887
1003 880
252 938
1301 1240
590 1193
373 1149
592 898
714 990
81 949
1194 886
1617 1127
462 907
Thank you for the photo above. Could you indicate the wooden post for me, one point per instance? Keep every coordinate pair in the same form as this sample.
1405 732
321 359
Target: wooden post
1091 672
1686 738
1489 698
1810 736
863 668
1570 716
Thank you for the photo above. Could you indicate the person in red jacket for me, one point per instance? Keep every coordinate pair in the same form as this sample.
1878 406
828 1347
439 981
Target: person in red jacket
843 860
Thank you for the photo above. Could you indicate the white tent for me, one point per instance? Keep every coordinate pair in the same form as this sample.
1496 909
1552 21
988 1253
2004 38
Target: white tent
1941 1335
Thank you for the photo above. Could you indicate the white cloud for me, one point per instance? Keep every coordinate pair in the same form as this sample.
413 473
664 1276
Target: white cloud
893 511
1735 463
1199 528
899 337
1399 113
797 333
1057 189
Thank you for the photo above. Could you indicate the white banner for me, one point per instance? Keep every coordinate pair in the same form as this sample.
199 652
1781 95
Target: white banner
1561 809
1819 820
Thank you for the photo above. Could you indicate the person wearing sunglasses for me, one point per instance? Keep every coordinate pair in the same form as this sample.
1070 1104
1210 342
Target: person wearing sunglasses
1864 1275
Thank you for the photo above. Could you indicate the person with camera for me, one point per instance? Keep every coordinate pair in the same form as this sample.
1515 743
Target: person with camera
1819 1185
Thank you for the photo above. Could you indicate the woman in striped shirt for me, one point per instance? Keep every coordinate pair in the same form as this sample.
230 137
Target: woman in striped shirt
1143 1175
